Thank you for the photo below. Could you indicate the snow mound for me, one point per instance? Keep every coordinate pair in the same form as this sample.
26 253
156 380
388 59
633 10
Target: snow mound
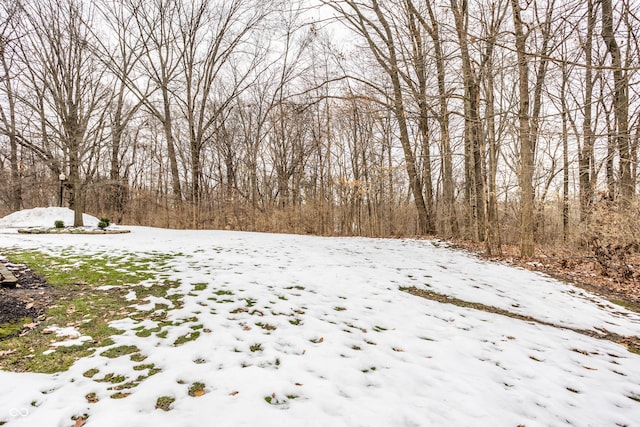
44 217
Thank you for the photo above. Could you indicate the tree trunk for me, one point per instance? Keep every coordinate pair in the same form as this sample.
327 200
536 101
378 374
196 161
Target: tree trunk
565 155
526 147
585 156
475 152
620 104
9 129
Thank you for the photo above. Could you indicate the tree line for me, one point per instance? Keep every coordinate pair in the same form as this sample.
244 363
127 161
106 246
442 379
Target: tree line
500 121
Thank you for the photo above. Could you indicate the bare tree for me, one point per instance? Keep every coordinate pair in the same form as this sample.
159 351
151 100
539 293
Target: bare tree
74 97
370 21
526 143
586 167
432 26
474 147
8 121
620 102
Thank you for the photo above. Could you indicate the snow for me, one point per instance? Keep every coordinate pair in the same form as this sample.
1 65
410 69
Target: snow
44 217
336 342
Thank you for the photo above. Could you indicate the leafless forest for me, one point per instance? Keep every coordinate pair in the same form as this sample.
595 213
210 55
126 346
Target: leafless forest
498 121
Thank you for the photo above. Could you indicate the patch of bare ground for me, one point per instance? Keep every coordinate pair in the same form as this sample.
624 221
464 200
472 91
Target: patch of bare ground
28 299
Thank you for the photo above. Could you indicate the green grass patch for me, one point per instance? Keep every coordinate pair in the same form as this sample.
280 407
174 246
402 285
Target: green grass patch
196 389
191 336
80 304
255 347
164 402
13 329
629 305
122 350
266 326
95 270
199 286
91 372
112 378
120 395
152 370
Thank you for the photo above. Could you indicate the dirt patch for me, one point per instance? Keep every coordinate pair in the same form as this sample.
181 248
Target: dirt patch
28 299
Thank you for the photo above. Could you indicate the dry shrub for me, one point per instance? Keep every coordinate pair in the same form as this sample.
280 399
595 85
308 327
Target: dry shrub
613 236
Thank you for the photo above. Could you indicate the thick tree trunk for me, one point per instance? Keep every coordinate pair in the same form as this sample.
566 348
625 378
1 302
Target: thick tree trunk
392 68
526 146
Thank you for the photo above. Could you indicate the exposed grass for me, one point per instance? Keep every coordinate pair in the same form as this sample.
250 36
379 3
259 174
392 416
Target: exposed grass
13 328
199 286
120 395
96 270
164 402
112 378
266 326
196 389
149 367
91 372
81 304
137 357
192 336
120 351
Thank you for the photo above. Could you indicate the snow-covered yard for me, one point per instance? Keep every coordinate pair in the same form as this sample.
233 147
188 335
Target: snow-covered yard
313 331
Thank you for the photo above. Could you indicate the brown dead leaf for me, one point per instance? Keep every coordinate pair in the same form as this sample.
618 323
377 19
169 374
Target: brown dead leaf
7 352
298 384
79 422
321 339
206 330
198 393
589 368
234 392
246 328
